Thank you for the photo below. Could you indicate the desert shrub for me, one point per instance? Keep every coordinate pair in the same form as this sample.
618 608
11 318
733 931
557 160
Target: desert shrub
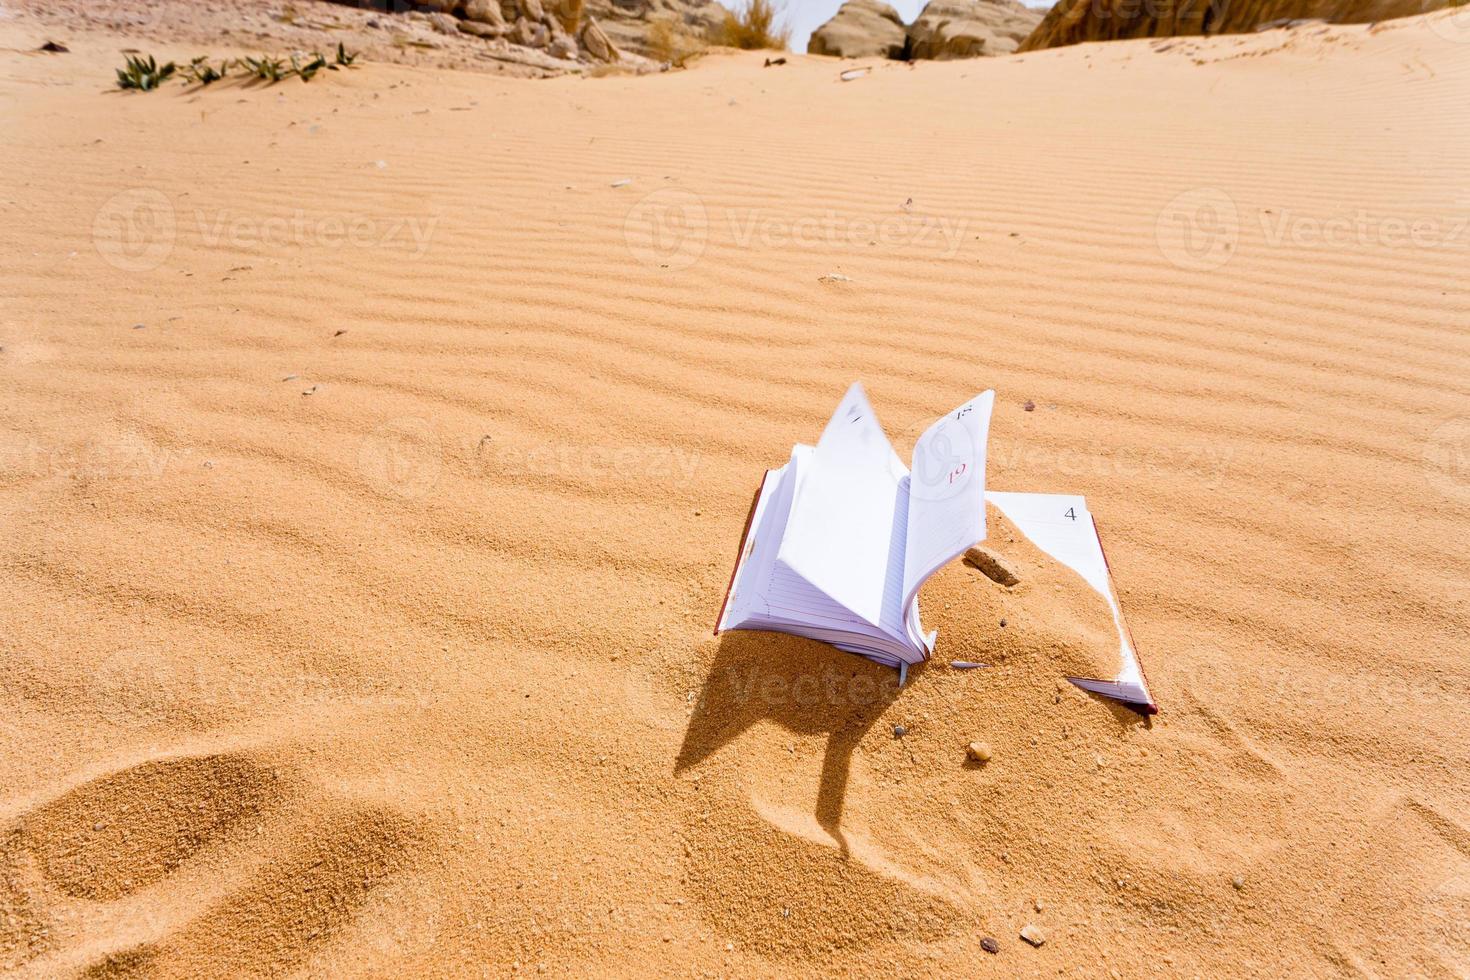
667 42
754 27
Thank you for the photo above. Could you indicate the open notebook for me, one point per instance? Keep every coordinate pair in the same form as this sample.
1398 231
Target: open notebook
843 535
840 539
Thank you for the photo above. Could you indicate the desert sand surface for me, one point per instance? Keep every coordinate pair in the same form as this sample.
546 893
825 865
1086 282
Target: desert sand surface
373 468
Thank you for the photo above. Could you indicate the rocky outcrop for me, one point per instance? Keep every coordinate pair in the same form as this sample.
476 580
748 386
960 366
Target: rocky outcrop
649 28
636 34
970 28
944 29
1074 21
861 29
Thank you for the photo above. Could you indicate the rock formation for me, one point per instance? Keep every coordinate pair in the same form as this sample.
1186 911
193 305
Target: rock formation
944 29
1074 21
861 29
970 28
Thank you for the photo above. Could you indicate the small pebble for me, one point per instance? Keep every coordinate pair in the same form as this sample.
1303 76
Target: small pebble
979 751
139 326
621 183
992 565
899 731
990 945
1002 624
1038 904
1238 882
1030 405
1032 934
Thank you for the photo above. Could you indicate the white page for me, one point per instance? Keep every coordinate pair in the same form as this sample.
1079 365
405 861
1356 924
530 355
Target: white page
1061 525
947 491
840 535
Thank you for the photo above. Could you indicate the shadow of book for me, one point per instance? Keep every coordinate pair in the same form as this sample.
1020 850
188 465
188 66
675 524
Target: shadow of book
806 687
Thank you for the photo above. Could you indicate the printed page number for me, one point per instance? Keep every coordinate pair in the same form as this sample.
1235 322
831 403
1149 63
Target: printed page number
1071 513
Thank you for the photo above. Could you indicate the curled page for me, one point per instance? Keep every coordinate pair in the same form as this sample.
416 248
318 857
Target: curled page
946 493
840 538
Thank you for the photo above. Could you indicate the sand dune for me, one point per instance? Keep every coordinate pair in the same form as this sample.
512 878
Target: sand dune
372 469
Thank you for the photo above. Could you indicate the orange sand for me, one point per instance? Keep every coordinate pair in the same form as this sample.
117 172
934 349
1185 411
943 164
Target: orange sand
413 675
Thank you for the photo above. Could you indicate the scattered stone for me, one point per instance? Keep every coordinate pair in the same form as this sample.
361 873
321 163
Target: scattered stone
899 731
1030 406
310 391
443 23
484 12
992 565
966 664
1002 623
1032 934
834 277
907 205
979 751
990 945
621 183
54 48
291 377
777 62
597 43
1038 904
853 74
1237 882
340 332
481 29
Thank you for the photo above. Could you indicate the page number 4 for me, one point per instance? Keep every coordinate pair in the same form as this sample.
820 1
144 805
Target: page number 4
1071 513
